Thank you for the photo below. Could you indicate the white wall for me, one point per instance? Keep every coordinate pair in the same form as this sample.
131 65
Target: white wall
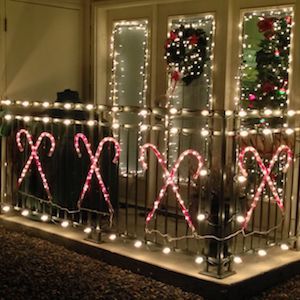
43 48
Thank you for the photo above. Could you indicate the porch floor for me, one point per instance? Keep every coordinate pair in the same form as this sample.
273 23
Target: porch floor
254 274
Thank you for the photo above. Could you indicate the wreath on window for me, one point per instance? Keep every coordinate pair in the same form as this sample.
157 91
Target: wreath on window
185 53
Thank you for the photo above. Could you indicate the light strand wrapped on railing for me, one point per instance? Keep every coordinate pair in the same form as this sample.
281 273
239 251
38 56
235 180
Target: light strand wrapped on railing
266 176
169 179
34 155
94 167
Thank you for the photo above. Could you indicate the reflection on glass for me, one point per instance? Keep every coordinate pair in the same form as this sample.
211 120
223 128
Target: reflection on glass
265 59
129 48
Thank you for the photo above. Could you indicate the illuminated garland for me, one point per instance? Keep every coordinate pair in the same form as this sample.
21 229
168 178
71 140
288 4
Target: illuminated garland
266 176
169 179
34 156
185 53
94 167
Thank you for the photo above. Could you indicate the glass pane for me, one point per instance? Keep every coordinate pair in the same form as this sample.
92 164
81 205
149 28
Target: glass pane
130 51
129 87
266 40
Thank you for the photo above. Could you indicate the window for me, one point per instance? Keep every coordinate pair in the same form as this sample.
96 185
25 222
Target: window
129 45
265 62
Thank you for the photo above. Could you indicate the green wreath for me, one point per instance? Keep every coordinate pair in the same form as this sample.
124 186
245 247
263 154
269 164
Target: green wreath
186 53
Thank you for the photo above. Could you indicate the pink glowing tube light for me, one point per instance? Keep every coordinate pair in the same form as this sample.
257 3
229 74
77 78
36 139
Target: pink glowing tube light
34 155
266 176
94 167
169 179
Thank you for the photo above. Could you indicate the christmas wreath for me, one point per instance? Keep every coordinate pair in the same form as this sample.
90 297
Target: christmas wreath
185 53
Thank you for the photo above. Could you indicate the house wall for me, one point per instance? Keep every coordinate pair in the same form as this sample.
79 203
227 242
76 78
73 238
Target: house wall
42 49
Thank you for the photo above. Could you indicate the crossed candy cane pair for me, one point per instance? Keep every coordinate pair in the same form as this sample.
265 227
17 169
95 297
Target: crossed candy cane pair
169 179
34 156
94 167
266 176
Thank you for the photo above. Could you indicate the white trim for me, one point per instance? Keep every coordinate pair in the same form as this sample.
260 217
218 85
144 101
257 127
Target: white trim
71 4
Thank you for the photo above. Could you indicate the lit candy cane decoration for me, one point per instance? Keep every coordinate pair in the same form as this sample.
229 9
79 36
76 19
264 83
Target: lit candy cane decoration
169 179
266 178
94 167
34 155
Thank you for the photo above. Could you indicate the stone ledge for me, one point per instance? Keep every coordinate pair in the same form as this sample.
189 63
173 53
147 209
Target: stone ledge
176 269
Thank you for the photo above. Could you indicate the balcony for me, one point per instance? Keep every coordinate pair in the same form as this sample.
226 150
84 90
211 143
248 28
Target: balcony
184 182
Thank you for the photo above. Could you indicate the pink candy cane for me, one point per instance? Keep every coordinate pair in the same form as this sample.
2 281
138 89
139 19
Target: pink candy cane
266 176
94 167
34 155
169 179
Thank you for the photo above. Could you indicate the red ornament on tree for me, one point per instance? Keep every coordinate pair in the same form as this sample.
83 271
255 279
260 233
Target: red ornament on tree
288 19
193 40
252 97
175 76
266 25
173 36
267 87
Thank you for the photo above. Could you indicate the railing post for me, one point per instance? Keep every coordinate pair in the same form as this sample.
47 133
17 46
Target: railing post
218 262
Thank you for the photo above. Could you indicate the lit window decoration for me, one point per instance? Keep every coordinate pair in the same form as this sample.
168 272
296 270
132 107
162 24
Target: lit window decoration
266 171
130 55
265 57
94 167
169 179
185 53
189 56
34 156
189 49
